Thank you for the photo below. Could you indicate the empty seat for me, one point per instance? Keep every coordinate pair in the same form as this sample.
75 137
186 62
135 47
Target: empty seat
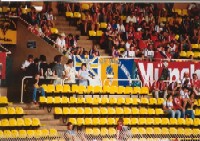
173 121
12 122
119 110
152 101
135 110
81 90
113 90
136 90
88 121
121 90
134 121
104 100
57 100
27 121
113 100
144 91
104 131
50 100
96 121
88 110
90 90
73 110
73 121
103 121
3 111
142 121
128 101
11 110
69 14
19 110
103 110
95 110
59 88
96 131
30 133
149 121
42 99
66 89
66 110
3 100
97 90
144 101
89 100
80 121
128 90
50 88
120 101
111 121
127 110
20 122
96 101
111 110
58 110
112 131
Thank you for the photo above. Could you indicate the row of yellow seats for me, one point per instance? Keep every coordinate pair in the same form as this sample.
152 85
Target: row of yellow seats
107 110
28 133
97 33
137 121
103 101
3 100
142 130
95 89
6 9
188 54
170 20
181 12
19 122
11 110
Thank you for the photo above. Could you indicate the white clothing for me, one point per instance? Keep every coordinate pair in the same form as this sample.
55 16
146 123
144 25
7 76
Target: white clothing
120 28
71 74
168 104
127 45
61 44
183 94
131 19
25 64
129 54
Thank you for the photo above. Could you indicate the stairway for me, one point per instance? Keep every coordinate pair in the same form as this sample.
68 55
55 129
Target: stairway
63 26
47 119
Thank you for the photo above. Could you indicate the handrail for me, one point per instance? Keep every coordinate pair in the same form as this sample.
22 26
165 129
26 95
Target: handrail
123 80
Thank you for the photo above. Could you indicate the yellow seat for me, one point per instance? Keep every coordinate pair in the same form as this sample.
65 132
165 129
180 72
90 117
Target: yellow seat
196 122
103 25
196 131
3 100
151 111
30 133
111 121
162 19
95 110
45 132
103 121
149 130
11 111
69 14
136 90
96 101
57 100
88 130
142 121
104 131
96 131
157 121
190 53
54 30
73 110
92 33
103 110
106 89
188 131
66 111
165 121
89 100
195 46
184 12
111 110
180 130
144 91
152 101
59 88
85 6
188 121
127 121
7 134
27 121
113 100
165 130
127 110
173 130
80 121
88 121
50 100
19 110
179 11
73 121
196 54
53 132
42 99
50 88
88 110
143 111
120 100
119 110
22 134
144 101
96 121
80 100
77 15
58 111
123 18
160 101
149 121
99 33
128 101
72 100
173 121
38 133
97 89
121 90
128 90
159 111
134 130
134 121
12 122
113 90
183 54
136 101
66 89
112 131
141 130
20 122
104 100
181 121
135 111
3 111
75 88
15 133
82 90
90 90
157 130
4 122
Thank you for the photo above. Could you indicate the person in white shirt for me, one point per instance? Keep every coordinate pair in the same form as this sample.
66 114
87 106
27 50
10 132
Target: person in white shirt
128 44
70 72
131 18
169 109
120 26
27 62
60 43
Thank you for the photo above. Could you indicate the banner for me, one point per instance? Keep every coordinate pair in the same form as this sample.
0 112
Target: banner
150 71
8 30
2 65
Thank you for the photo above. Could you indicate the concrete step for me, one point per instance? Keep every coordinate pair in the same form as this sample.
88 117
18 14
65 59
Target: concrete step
47 117
66 28
57 127
90 42
84 37
36 112
60 18
51 122
26 106
72 32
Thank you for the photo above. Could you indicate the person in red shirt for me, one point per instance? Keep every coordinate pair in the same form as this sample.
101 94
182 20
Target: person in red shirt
195 83
159 88
178 104
120 124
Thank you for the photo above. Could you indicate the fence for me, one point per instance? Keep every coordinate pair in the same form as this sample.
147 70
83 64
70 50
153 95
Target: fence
123 136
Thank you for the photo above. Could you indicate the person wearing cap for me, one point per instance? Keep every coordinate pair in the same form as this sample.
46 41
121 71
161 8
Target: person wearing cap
70 72
60 43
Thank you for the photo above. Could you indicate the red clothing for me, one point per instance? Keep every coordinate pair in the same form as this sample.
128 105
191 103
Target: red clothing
177 102
119 127
195 83
159 85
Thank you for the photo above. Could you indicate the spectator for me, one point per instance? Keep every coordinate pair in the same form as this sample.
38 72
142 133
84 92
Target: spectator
120 124
79 51
115 52
32 69
120 27
51 65
189 107
195 84
70 72
174 88
94 51
186 77
131 18
159 89
36 88
70 133
184 95
32 16
58 70
83 75
178 104
27 62
165 75
43 66
50 18
169 108
60 43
